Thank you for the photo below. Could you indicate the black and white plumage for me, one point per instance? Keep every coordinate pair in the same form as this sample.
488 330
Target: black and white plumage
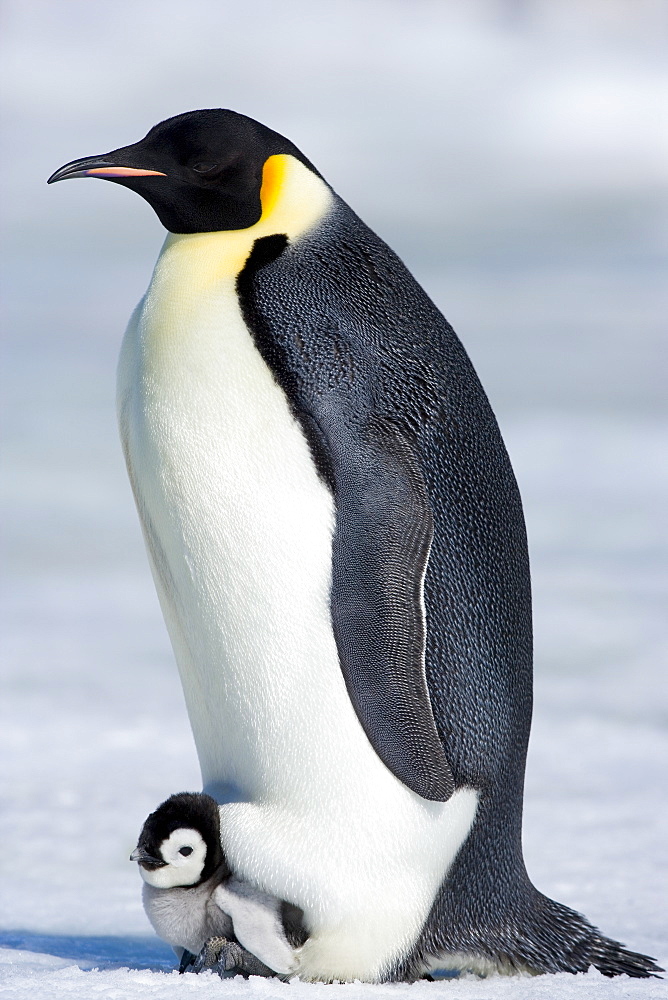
338 544
191 896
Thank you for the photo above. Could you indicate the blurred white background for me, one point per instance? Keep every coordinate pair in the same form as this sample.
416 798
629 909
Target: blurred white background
513 152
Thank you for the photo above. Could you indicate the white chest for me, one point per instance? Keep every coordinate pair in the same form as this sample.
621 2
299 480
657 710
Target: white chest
238 527
239 531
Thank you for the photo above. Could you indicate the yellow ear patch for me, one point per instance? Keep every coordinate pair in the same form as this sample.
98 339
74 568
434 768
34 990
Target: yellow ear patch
273 178
293 199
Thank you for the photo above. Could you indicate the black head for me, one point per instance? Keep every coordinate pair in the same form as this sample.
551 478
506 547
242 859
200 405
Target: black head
164 861
200 171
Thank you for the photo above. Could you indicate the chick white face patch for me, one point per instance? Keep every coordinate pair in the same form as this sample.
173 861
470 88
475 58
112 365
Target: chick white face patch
184 854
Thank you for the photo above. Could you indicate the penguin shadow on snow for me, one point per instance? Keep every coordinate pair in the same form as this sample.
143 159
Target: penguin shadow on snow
104 951
109 952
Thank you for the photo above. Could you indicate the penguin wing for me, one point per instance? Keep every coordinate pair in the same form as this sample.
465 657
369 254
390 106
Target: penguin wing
384 522
383 535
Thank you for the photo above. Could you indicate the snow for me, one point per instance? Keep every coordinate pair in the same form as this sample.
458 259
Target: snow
543 250
33 975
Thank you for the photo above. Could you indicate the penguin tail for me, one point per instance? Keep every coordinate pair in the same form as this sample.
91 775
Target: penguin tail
565 941
612 959
533 934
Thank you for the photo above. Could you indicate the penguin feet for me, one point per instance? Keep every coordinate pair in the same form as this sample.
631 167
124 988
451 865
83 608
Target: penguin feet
187 960
227 958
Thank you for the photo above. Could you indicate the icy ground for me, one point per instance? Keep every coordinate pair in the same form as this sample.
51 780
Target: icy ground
41 976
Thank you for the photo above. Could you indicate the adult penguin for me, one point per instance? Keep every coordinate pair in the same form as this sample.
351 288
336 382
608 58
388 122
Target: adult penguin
338 545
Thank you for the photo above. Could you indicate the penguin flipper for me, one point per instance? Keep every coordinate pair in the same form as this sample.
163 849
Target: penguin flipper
256 918
384 530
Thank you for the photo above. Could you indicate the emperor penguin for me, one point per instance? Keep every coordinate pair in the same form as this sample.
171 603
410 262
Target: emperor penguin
338 545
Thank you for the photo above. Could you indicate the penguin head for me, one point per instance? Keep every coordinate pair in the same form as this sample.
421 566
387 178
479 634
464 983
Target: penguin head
179 844
201 171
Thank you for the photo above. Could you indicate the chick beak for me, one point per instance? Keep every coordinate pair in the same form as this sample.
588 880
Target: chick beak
143 857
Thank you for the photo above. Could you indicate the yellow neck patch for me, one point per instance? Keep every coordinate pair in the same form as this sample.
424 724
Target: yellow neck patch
274 179
293 200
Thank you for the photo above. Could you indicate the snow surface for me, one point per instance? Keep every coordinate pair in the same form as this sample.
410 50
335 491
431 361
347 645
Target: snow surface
33 975
537 233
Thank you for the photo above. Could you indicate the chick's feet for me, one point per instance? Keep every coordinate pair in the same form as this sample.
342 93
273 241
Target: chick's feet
227 958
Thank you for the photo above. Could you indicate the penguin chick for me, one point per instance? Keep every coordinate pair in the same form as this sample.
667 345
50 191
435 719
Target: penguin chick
194 902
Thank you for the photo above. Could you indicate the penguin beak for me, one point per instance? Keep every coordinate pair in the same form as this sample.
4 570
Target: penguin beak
142 857
97 166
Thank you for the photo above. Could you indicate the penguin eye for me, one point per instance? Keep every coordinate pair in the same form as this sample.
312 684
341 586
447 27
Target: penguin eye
185 851
206 169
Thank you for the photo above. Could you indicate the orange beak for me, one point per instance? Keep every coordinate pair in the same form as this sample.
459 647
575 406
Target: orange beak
122 172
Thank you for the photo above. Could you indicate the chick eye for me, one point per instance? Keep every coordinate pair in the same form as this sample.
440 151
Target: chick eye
185 851
204 168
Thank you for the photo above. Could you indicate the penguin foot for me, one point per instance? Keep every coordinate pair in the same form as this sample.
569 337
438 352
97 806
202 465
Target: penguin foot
228 959
187 959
